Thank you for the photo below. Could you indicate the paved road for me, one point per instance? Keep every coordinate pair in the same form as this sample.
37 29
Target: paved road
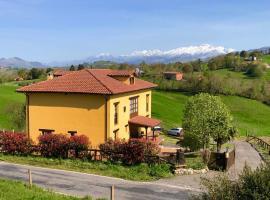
245 155
80 184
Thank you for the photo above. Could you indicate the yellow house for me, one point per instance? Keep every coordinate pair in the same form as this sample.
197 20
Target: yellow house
99 103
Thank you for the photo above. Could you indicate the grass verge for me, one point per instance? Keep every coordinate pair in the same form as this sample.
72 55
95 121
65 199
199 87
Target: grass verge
15 190
141 172
194 161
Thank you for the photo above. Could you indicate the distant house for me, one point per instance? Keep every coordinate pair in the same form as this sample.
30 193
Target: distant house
57 73
100 103
173 76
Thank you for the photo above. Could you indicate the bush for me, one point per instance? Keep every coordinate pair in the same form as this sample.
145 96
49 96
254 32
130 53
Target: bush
15 143
251 185
113 149
78 143
133 152
255 70
129 152
54 145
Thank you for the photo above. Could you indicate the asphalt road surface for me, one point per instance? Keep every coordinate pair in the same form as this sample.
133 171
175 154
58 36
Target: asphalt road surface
80 184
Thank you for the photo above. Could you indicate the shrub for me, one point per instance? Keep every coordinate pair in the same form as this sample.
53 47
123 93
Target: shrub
15 143
79 144
129 152
255 70
54 145
113 149
133 152
251 185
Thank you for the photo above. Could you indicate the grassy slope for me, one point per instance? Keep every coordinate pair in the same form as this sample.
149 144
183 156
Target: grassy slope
14 190
249 115
227 73
168 106
266 58
8 95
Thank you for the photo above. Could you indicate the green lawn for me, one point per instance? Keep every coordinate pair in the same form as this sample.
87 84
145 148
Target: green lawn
15 190
249 115
229 73
141 172
8 95
266 58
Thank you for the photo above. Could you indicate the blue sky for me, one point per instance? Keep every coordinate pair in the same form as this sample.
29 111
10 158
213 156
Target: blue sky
58 30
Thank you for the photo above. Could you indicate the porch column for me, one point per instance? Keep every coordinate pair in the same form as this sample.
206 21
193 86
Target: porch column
146 134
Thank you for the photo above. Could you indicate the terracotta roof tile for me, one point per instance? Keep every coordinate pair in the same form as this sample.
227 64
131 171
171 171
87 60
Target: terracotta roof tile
61 72
144 121
121 73
92 81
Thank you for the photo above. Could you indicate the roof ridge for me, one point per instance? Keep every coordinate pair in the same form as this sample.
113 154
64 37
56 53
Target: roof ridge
99 80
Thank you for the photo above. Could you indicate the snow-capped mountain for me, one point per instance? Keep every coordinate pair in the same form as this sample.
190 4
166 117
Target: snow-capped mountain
181 54
153 56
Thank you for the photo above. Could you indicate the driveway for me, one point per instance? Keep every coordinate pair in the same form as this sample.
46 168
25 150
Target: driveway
245 155
80 184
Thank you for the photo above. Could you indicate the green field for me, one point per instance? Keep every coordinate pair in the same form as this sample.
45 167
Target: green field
249 115
15 190
8 95
227 73
266 58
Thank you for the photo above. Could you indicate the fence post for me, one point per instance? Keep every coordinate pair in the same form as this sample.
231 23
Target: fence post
30 177
112 192
180 157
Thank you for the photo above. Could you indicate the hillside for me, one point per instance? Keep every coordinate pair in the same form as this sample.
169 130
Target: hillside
8 95
249 115
18 62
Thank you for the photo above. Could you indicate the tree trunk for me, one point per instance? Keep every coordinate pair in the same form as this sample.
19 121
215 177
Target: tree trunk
218 147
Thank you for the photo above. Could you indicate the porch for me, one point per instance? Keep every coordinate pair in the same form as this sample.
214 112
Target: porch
142 127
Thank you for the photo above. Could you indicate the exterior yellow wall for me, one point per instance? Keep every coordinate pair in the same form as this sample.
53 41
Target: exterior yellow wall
67 112
83 113
125 79
123 100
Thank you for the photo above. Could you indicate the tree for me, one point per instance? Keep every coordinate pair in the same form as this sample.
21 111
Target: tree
35 73
72 68
243 54
49 70
187 68
206 117
80 67
23 73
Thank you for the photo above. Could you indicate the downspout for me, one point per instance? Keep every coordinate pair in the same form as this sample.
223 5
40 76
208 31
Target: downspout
27 115
106 118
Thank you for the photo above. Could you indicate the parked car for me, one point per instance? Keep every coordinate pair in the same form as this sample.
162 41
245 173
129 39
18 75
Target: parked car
157 128
176 131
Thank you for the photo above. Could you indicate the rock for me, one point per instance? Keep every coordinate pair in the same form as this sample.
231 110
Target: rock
190 171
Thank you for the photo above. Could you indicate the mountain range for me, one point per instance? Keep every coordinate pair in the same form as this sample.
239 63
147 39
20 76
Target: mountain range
182 54
18 62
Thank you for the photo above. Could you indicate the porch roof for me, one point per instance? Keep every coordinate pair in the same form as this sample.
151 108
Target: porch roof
144 121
